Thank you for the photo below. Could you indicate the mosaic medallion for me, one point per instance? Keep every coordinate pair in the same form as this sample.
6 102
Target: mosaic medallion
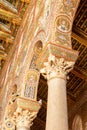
63 24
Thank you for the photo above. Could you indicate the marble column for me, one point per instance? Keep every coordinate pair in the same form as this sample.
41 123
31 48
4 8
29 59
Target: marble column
56 71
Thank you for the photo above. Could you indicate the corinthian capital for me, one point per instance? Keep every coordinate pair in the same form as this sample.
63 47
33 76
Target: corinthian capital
56 67
24 119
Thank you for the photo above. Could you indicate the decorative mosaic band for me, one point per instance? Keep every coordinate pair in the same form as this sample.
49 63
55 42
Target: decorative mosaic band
58 51
28 104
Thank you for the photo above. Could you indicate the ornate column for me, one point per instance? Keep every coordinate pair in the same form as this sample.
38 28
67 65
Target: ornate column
55 62
57 59
56 70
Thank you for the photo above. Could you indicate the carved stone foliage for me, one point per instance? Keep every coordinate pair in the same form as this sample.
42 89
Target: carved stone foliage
56 67
24 118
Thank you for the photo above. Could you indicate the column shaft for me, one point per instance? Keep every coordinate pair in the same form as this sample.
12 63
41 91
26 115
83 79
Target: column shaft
57 105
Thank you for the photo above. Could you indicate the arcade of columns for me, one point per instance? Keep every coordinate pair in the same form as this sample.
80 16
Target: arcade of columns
42 45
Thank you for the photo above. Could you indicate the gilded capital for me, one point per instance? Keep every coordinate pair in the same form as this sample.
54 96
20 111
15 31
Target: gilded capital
24 118
56 67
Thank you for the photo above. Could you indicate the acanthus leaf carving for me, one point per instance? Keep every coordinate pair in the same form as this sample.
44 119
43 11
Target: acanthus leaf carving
24 118
56 67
